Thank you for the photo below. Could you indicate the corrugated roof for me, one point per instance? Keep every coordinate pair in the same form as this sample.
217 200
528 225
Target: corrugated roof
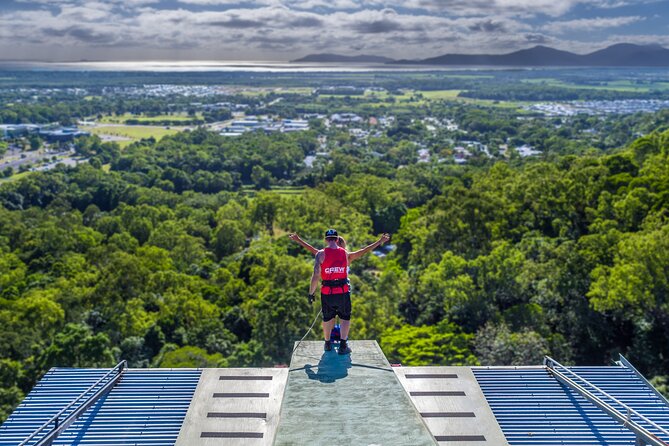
532 407
147 407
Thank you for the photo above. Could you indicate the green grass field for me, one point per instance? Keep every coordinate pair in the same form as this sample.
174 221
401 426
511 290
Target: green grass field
441 94
288 190
620 86
263 91
134 132
283 191
121 119
17 176
295 90
340 96
409 98
377 94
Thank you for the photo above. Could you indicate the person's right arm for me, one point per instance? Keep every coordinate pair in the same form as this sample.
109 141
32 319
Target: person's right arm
316 274
297 239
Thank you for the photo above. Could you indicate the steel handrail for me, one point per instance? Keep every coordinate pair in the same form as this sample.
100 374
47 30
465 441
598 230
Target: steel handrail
615 413
625 363
626 421
661 429
119 369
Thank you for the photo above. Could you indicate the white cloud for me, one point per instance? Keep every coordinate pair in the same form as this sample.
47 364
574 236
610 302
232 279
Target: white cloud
590 24
280 29
234 3
125 3
441 7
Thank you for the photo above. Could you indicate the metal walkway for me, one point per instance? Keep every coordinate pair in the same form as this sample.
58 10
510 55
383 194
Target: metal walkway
234 407
351 399
147 407
533 408
452 405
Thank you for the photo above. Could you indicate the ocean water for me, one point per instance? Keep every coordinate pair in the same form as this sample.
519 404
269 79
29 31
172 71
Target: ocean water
226 66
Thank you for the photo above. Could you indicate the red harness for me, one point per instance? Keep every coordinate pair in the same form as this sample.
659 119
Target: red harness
334 271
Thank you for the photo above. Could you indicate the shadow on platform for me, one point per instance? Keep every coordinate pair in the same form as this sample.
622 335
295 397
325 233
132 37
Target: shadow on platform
330 368
312 409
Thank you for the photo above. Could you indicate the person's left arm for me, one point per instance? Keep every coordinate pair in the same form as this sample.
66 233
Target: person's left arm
361 252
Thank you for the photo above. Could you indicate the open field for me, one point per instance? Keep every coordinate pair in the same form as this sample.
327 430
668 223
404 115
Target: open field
253 93
284 191
619 85
340 96
410 98
288 190
440 94
121 119
296 90
133 132
15 177
418 98
257 92
452 95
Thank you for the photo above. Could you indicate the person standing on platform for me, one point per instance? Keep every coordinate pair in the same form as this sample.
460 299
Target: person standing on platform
331 267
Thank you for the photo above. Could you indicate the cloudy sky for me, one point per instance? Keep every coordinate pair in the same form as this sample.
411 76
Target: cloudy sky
286 29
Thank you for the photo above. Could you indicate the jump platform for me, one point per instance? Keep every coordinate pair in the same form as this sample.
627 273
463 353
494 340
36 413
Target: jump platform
325 398
347 399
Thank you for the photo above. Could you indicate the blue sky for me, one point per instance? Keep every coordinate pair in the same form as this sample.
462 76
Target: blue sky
286 29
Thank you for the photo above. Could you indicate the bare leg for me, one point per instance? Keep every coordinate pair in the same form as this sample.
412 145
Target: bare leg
344 327
327 328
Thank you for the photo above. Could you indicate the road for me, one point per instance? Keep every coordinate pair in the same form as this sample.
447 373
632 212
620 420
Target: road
15 158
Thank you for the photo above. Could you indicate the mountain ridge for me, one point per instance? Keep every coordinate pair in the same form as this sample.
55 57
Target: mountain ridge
618 55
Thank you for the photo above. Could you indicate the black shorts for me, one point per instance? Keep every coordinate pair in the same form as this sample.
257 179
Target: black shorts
336 305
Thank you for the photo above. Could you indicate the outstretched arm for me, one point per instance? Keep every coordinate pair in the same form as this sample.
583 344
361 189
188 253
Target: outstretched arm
297 239
361 252
316 274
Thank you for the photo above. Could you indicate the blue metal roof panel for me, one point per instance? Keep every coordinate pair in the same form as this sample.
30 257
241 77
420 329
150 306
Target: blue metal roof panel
533 408
147 407
52 393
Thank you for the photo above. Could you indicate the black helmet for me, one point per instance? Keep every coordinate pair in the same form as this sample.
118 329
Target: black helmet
331 233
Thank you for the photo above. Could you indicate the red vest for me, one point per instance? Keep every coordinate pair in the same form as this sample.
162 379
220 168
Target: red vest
334 267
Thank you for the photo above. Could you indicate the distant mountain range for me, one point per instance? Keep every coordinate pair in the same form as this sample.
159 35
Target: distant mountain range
338 58
620 55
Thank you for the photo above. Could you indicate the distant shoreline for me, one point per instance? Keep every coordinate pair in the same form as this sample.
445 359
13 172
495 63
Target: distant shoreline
207 66
269 67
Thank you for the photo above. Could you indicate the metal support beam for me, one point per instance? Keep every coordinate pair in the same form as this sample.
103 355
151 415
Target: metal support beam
59 425
642 434
625 363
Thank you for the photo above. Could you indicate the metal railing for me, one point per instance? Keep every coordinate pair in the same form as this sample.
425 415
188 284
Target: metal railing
62 421
623 362
643 435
